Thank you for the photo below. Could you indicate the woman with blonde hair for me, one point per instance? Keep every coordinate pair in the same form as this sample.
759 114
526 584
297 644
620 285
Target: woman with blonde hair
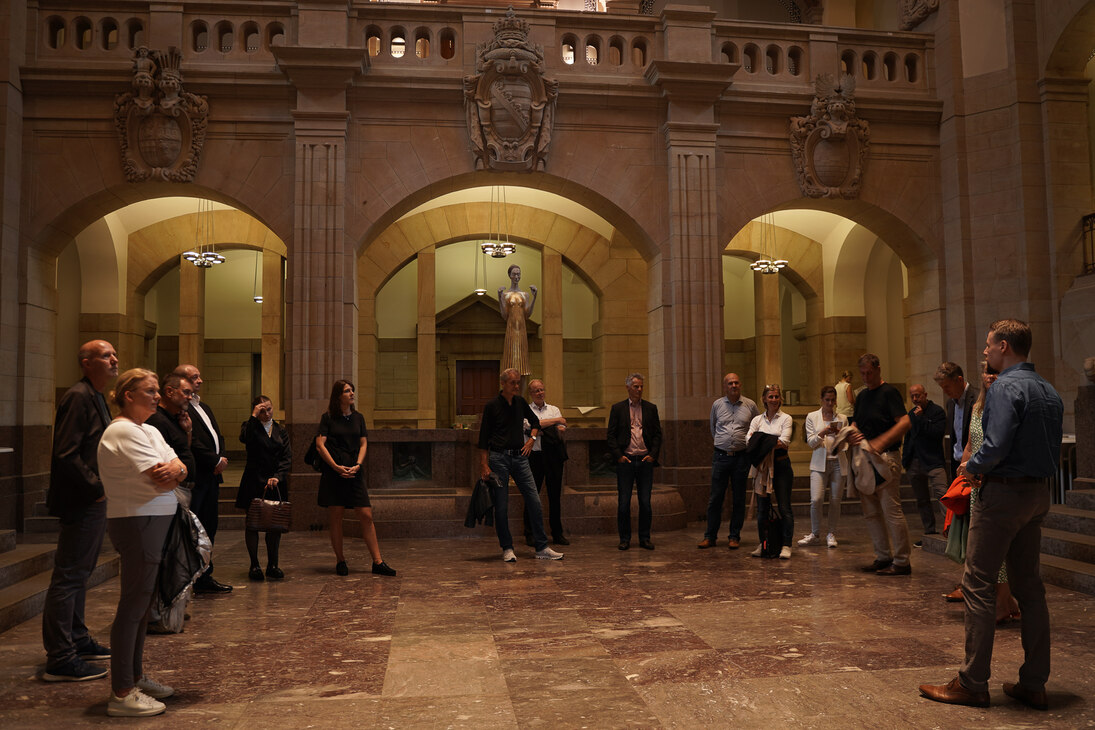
775 422
139 472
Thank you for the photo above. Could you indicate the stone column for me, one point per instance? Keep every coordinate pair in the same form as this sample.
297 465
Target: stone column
191 314
273 283
427 338
551 330
769 347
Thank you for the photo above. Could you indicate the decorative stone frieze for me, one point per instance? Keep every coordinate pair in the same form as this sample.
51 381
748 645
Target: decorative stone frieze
161 127
510 106
829 147
913 12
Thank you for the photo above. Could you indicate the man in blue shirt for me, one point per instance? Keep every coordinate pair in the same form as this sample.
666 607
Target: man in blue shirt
730 419
1022 425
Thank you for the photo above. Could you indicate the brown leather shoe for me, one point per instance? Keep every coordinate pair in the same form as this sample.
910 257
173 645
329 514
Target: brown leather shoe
954 596
1028 697
705 543
892 569
733 543
953 693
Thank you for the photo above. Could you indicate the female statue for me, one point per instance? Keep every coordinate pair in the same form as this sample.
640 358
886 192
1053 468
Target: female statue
516 307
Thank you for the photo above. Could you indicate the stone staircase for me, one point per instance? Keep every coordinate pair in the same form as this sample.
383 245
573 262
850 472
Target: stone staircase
1068 540
25 571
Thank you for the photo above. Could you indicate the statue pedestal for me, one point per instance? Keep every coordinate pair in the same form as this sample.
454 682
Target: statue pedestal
1085 431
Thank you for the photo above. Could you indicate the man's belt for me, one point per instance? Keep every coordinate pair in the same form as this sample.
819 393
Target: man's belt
729 453
508 452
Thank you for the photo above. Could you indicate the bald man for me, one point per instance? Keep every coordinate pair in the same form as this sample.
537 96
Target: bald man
76 497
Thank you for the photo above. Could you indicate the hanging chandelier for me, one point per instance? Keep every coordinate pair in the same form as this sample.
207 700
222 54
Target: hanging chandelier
497 244
768 263
204 254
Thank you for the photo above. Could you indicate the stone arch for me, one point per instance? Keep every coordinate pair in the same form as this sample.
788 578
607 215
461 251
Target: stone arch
1071 26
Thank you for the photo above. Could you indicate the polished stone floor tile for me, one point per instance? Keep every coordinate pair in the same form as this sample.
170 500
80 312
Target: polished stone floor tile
674 638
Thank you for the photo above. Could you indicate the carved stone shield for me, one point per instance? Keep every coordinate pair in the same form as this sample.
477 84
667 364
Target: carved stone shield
510 106
829 147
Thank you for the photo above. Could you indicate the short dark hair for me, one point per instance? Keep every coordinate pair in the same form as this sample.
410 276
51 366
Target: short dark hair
1015 332
869 358
172 380
334 406
948 371
262 398
828 389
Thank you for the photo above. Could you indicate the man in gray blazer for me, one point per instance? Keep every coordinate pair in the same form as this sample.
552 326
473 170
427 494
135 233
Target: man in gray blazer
76 497
960 397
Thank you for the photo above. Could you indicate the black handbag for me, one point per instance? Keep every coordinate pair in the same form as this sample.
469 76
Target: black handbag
312 457
773 532
268 515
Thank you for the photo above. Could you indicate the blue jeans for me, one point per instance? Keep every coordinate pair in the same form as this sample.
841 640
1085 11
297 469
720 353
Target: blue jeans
732 470
502 465
782 480
631 473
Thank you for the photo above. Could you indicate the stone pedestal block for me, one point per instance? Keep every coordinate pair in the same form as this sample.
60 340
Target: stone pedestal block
1085 431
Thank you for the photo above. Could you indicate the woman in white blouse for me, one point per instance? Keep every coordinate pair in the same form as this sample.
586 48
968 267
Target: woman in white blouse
821 426
777 423
139 472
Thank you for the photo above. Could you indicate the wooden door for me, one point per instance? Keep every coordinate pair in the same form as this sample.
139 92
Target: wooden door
476 384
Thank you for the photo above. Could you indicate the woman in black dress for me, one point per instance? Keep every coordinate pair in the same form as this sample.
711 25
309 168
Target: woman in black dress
341 445
267 471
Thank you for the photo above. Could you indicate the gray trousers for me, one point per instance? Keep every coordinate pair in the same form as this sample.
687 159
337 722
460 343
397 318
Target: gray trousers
886 521
1006 524
78 546
928 485
139 541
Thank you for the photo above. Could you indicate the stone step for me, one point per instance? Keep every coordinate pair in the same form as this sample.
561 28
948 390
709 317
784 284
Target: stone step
1071 545
1071 574
1080 499
7 540
24 600
41 524
25 561
1070 519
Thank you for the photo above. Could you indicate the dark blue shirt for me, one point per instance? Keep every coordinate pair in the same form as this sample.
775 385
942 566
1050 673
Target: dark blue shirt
503 424
1022 425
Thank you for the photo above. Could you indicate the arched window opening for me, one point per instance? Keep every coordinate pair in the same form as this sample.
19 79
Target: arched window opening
226 37
199 36
108 33
82 33
593 50
569 44
56 33
729 53
399 42
134 33
749 59
372 40
889 66
794 61
422 43
773 60
848 63
275 35
250 34
638 53
912 68
448 43
616 51
870 66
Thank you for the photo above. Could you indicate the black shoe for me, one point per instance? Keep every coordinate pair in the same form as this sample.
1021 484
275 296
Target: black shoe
255 574
383 568
560 540
624 545
76 670
646 545
876 566
341 569
93 651
529 541
210 585
919 543
273 572
895 570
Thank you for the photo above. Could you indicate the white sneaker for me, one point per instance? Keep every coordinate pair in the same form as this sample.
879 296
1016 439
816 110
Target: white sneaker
756 553
548 554
134 704
508 556
811 539
785 552
830 540
154 689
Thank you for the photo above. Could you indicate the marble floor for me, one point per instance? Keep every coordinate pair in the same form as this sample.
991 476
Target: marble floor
677 637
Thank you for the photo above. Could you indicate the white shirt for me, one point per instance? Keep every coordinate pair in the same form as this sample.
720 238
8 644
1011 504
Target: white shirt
779 426
815 424
205 419
126 451
547 412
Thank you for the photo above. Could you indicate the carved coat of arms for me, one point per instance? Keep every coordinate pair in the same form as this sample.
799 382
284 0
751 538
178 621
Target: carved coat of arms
160 126
829 147
510 106
913 12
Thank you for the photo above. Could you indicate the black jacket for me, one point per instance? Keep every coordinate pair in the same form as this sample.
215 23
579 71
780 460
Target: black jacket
481 506
619 429
74 468
267 456
175 437
206 454
924 440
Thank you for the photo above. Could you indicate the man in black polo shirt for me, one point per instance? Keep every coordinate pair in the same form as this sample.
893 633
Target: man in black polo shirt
881 419
503 451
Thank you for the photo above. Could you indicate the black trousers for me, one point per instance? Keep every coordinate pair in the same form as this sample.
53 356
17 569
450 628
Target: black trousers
545 469
204 503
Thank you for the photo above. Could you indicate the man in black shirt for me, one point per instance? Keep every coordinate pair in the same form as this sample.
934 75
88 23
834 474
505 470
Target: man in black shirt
922 457
172 419
881 420
503 451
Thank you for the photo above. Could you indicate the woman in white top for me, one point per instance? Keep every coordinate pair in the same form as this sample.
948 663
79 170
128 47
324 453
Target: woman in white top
845 397
777 423
821 426
139 472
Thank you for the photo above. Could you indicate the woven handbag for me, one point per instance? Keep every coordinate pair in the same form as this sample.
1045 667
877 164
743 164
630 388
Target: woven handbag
268 515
